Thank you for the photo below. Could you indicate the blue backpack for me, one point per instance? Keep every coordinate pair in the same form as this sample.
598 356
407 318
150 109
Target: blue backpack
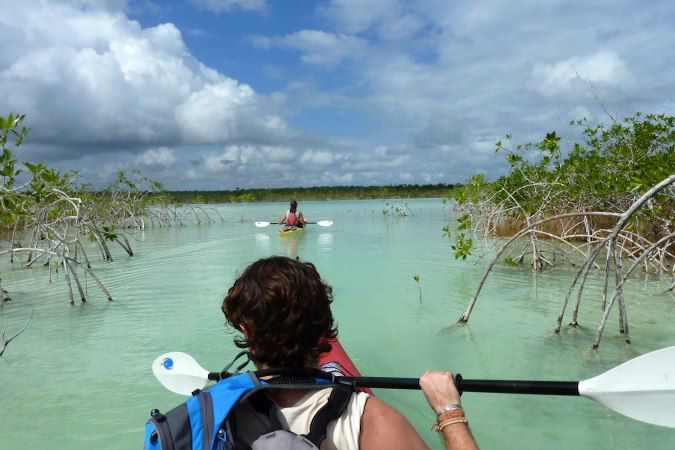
208 419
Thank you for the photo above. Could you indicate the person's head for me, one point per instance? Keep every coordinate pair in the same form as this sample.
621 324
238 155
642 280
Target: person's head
283 308
294 206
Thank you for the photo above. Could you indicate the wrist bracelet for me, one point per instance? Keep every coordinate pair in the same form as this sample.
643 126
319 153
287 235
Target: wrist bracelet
439 426
453 414
447 409
451 422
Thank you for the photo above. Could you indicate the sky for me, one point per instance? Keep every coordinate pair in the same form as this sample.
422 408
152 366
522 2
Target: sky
219 94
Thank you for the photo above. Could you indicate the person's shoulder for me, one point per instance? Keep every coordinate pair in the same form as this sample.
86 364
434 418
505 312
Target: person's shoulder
383 426
378 412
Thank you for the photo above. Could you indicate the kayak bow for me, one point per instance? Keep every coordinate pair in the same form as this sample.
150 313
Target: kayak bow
292 232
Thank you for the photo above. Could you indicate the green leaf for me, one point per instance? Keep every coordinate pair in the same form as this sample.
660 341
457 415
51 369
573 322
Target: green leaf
511 262
34 168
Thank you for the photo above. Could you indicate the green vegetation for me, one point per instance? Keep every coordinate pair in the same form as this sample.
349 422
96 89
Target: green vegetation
608 172
401 210
416 277
313 193
47 216
613 191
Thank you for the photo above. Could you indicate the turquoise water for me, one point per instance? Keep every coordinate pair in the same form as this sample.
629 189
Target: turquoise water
80 376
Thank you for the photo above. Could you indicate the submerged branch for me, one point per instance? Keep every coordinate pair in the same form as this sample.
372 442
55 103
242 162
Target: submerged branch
5 341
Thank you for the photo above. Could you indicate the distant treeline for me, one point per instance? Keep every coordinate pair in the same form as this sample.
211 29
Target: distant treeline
313 193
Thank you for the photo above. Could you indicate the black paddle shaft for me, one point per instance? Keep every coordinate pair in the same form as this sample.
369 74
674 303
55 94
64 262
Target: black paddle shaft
570 388
463 385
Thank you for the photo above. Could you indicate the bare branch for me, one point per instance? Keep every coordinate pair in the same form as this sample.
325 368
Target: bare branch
6 342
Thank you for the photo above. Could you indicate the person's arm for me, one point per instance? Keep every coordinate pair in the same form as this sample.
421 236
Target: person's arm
302 218
383 427
440 391
281 222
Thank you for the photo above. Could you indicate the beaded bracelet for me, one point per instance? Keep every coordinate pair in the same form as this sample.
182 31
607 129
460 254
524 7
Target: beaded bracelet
448 409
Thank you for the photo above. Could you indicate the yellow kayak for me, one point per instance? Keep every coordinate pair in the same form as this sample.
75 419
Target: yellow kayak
292 231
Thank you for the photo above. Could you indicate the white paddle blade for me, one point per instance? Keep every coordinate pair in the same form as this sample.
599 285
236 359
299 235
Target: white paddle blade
180 373
642 388
262 224
325 223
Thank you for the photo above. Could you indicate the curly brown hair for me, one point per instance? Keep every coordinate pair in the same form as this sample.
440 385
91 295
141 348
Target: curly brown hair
283 307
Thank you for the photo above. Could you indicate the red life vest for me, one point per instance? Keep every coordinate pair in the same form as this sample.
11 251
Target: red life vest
291 218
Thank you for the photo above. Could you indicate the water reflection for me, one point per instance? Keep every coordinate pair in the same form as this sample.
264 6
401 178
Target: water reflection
293 245
262 242
325 240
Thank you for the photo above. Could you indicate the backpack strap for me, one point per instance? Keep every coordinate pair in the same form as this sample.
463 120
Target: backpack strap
267 410
263 405
255 379
334 408
206 408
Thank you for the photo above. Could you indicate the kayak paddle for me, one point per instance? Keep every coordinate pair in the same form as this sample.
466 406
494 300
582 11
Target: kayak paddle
642 388
321 223
180 373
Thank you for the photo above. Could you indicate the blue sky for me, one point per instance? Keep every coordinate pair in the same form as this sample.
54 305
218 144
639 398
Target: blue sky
211 94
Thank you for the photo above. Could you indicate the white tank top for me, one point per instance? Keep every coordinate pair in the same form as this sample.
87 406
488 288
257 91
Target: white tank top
342 433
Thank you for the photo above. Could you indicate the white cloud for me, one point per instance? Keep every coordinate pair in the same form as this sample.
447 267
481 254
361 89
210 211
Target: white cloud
317 47
372 164
318 157
279 154
378 160
331 177
112 168
387 90
250 160
227 111
162 156
255 165
219 6
604 68
392 19
91 76
469 74
356 16
484 147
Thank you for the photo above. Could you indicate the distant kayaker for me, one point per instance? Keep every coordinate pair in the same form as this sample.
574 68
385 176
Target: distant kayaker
293 217
282 307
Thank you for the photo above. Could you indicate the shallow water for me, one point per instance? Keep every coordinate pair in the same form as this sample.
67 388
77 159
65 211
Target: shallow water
80 377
